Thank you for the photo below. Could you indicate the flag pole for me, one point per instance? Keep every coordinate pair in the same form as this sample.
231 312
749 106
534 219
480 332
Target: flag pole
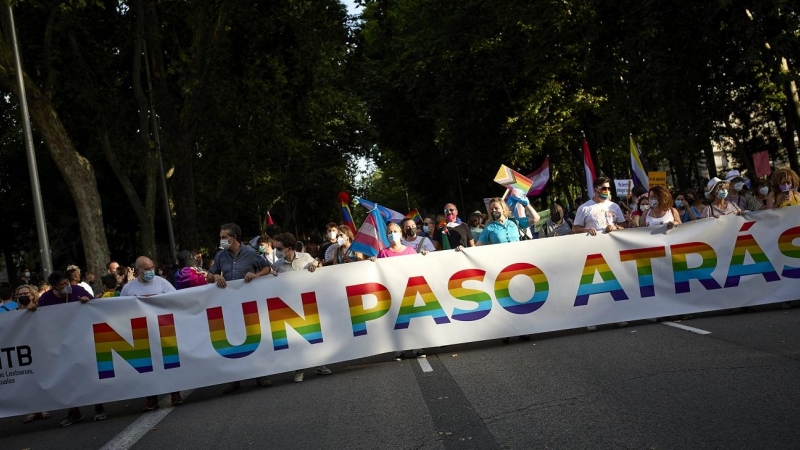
33 170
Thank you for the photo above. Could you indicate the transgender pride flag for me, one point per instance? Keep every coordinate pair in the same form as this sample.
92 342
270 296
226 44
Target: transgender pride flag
371 237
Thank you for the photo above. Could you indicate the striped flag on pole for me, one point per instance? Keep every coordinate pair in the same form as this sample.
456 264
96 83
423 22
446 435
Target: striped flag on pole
389 215
347 218
637 167
588 166
540 178
371 237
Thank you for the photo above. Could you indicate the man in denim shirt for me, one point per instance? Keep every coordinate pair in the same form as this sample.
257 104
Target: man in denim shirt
236 262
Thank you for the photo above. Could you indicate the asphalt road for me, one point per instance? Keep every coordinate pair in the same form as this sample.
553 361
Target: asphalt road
646 386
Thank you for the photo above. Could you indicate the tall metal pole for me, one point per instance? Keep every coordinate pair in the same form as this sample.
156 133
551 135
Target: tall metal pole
162 176
41 228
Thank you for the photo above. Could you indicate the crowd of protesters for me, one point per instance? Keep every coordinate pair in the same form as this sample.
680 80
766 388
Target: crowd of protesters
509 219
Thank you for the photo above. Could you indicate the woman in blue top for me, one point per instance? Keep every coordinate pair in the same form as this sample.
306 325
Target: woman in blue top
501 229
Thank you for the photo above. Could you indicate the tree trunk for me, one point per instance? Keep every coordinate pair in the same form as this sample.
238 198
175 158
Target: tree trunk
787 137
76 170
181 113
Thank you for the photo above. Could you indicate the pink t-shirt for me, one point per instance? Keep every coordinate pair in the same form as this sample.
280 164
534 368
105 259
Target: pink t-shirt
387 252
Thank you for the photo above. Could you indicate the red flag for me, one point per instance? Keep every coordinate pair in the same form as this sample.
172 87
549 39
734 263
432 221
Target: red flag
269 219
588 166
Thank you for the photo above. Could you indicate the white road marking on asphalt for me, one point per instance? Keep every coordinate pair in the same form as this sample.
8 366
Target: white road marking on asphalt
684 327
135 431
425 365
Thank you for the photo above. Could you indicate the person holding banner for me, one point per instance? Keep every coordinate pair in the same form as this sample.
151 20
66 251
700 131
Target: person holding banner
661 210
555 224
63 292
599 213
501 229
293 261
236 262
147 284
717 192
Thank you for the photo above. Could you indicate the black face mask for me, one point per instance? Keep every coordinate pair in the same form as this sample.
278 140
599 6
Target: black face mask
496 215
555 216
690 199
411 232
24 300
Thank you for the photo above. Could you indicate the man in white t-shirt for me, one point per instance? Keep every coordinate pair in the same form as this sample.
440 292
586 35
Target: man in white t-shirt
147 284
414 240
599 213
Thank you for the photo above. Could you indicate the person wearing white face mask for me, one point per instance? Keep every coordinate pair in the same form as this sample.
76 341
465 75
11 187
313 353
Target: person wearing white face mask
147 284
738 192
396 247
761 192
326 248
717 192
661 211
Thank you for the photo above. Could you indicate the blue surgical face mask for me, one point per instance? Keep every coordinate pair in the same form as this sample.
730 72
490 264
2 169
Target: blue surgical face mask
679 203
395 236
279 254
722 193
426 228
148 275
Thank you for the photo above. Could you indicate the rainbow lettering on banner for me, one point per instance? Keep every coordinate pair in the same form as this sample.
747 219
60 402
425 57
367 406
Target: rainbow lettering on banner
787 248
761 264
137 355
418 286
219 337
169 341
644 266
540 283
280 315
360 315
596 263
682 273
482 300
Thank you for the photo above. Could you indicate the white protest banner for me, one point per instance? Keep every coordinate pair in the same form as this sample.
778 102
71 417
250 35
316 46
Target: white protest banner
111 349
624 188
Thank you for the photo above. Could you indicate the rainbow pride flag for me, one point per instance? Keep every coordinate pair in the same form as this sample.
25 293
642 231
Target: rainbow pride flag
414 215
513 179
347 218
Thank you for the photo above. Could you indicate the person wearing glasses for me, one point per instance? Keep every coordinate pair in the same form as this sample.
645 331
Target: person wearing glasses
236 262
599 213
454 234
429 226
